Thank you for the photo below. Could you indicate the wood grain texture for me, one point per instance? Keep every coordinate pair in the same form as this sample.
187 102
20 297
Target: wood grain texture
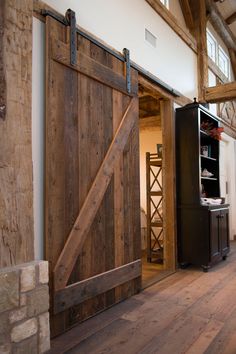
188 312
231 18
90 67
95 195
16 173
169 177
188 16
85 158
99 284
202 56
221 93
220 25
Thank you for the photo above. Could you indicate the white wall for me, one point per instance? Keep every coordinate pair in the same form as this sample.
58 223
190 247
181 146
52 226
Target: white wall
212 82
38 117
228 174
148 140
122 24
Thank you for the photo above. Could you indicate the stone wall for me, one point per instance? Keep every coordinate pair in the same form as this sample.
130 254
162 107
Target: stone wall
24 303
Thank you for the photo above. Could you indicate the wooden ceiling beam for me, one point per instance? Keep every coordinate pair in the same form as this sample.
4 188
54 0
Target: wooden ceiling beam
220 25
187 13
157 92
221 93
231 19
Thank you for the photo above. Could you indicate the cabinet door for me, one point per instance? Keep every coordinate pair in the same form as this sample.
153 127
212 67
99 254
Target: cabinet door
224 231
215 243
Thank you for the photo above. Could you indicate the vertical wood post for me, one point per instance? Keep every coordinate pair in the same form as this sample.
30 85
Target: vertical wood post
16 196
232 55
169 200
202 58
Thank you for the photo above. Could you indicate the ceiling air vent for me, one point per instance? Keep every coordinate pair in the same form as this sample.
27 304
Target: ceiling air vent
150 38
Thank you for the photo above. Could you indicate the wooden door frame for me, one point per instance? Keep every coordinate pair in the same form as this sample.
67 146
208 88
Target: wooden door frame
168 172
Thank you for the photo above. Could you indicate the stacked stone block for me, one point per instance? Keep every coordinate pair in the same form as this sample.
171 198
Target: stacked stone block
24 304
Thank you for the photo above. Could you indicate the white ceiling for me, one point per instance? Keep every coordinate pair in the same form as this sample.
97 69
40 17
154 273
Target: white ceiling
227 8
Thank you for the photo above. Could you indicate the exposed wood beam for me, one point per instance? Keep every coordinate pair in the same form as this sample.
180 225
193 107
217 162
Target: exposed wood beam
221 93
173 23
216 71
232 55
231 19
202 57
150 122
187 13
220 25
156 91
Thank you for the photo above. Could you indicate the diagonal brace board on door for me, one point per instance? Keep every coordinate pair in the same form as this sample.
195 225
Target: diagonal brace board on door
77 236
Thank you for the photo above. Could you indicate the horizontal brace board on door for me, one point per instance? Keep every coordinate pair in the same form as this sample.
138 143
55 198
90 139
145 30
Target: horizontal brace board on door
133 65
91 68
86 289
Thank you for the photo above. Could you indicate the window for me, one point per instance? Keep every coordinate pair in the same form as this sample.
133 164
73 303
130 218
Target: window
166 3
211 46
217 54
223 62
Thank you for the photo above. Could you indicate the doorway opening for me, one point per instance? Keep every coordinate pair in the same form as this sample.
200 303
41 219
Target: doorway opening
154 234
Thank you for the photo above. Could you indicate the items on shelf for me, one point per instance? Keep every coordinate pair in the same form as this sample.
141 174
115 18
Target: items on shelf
206 150
211 130
211 201
206 173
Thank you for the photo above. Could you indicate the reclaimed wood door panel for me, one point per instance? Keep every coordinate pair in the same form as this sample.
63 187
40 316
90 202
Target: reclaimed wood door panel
92 225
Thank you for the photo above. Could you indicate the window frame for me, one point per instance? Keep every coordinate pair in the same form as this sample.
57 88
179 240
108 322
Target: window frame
165 3
220 54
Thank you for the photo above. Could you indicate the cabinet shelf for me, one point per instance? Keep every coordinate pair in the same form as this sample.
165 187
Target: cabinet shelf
208 158
202 231
210 178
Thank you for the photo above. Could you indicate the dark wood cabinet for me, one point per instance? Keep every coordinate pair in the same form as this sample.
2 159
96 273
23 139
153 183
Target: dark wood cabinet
202 227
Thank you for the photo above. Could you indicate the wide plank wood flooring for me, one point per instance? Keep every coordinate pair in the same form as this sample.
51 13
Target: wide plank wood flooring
189 312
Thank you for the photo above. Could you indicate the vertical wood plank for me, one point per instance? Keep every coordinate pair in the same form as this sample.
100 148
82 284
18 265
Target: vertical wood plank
118 193
16 173
169 202
54 164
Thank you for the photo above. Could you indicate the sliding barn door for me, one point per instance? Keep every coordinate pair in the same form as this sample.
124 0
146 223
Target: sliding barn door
92 179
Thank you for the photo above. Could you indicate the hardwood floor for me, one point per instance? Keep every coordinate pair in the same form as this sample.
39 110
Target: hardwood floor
189 312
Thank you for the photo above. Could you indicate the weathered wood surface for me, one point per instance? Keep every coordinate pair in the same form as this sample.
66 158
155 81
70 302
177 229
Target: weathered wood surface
90 67
187 12
189 312
231 19
77 293
92 172
82 225
220 25
202 56
168 176
16 195
221 93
